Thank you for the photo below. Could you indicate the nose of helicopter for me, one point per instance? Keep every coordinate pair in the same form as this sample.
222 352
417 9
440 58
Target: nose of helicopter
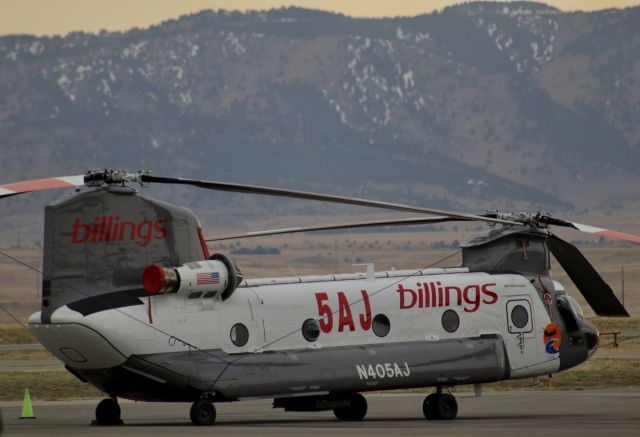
591 335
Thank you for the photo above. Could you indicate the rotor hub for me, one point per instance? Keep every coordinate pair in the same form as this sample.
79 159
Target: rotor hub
101 177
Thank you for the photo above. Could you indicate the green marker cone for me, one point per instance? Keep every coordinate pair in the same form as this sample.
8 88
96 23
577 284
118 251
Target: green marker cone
27 409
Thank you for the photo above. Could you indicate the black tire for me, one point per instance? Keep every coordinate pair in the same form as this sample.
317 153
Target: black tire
203 413
429 407
108 412
356 410
446 407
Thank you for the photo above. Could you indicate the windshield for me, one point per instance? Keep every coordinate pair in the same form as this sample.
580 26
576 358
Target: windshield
577 308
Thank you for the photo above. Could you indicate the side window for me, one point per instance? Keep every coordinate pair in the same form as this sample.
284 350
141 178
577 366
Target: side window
239 334
310 330
519 316
381 325
450 321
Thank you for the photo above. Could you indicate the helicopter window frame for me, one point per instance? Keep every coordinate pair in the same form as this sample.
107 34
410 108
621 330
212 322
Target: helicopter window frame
239 335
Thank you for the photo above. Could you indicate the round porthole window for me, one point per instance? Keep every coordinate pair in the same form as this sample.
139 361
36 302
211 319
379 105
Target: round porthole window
519 316
239 334
381 325
310 330
450 321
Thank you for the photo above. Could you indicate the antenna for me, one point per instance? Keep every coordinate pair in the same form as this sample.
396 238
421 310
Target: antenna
622 274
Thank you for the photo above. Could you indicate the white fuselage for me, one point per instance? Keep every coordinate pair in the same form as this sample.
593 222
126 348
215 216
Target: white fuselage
273 311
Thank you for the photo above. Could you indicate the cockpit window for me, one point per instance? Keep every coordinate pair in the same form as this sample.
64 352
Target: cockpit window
567 314
577 308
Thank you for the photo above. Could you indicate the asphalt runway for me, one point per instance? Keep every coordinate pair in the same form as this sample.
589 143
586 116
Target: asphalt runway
550 413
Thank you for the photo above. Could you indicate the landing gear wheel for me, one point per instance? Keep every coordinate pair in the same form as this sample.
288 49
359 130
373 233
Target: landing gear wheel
356 410
108 412
429 406
203 413
446 407
439 406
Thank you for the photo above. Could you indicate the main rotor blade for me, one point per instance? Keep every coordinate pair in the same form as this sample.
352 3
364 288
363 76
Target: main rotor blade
591 229
279 192
352 225
607 233
15 188
597 292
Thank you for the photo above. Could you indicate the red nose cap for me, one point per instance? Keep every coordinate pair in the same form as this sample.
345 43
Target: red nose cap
153 278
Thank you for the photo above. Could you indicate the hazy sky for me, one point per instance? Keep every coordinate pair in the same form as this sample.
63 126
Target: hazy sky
49 17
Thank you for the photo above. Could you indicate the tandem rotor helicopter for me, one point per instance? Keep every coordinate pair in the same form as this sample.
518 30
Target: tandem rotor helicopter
134 304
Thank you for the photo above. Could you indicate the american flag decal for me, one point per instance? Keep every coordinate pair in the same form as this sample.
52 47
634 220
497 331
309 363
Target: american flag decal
207 278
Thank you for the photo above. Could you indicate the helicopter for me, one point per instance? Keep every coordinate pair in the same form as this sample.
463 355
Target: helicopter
134 303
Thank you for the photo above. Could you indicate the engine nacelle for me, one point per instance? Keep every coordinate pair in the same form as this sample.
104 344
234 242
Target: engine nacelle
217 275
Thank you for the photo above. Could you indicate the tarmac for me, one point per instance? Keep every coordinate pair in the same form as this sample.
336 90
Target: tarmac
524 413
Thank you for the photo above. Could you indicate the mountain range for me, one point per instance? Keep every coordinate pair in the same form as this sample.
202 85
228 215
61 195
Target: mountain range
480 105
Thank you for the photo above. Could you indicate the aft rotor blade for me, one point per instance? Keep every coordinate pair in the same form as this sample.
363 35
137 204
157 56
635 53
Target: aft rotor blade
279 192
592 229
352 225
607 233
15 188
595 290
